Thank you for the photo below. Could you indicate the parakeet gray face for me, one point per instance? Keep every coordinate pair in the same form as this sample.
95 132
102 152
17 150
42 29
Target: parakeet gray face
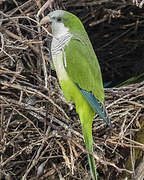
56 21
63 22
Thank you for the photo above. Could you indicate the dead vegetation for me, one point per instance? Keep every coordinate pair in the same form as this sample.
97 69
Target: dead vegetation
40 132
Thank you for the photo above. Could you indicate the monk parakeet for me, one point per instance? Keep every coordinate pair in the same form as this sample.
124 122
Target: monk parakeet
78 72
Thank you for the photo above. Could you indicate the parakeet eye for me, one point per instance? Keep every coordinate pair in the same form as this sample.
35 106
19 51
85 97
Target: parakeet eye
59 19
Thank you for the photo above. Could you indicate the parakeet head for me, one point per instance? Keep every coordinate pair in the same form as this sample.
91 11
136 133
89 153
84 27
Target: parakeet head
63 22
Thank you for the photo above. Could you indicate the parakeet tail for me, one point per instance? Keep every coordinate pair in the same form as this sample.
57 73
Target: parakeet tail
87 133
92 167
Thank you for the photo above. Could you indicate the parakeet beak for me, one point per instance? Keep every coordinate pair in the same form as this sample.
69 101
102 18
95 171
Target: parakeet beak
46 21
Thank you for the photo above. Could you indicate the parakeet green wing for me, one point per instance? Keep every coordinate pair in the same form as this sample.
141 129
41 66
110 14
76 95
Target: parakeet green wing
82 67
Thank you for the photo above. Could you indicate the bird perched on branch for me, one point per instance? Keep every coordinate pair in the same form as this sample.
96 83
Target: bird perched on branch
78 72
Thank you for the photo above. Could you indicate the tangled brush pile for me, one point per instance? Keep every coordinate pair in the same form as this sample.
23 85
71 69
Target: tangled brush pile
40 133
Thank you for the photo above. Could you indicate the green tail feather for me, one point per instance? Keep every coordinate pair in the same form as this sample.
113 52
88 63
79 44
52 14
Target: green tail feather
93 171
86 114
87 133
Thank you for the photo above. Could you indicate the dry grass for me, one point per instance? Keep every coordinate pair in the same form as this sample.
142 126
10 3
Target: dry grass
40 132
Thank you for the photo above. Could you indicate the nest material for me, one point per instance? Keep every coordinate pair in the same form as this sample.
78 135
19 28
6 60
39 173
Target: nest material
40 132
